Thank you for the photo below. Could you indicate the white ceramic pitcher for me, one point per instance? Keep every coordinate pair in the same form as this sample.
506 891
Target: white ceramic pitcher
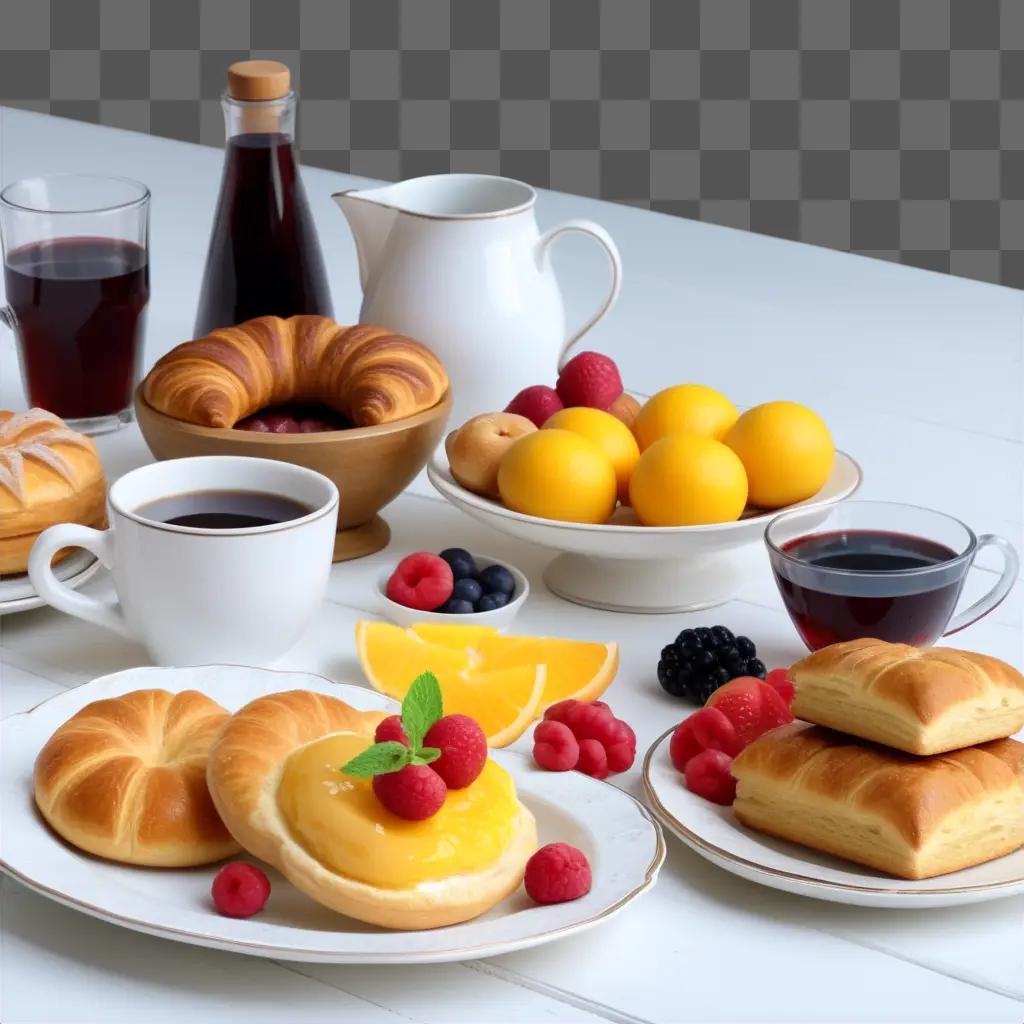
457 261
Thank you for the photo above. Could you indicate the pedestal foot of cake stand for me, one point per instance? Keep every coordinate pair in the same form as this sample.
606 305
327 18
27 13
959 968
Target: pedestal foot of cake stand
361 540
648 587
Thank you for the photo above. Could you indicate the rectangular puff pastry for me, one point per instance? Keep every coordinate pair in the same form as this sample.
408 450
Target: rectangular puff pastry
913 817
923 701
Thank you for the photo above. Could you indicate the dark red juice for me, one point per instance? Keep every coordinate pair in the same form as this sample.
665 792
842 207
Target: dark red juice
874 595
264 257
80 307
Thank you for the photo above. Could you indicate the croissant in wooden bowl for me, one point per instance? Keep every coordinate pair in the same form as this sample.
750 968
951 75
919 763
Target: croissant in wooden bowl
367 373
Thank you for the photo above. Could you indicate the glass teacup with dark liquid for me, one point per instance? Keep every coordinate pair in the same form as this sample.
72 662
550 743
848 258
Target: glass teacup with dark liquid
879 569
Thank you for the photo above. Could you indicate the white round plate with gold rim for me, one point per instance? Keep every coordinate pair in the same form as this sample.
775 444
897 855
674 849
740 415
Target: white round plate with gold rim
626 567
714 833
17 594
618 835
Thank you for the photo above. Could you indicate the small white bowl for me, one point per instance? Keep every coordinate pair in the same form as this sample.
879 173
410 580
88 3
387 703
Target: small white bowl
500 619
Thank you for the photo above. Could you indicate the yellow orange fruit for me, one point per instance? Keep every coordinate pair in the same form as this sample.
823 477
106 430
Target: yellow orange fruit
787 451
610 434
684 408
688 480
558 474
504 682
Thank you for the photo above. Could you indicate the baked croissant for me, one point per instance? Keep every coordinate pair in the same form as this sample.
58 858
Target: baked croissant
366 373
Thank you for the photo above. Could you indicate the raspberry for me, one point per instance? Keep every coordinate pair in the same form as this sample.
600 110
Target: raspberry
713 730
422 581
589 379
557 711
240 889
557 873
537 403
708 775
620 746
463 747
589 722
593 760
683 746
390 730
414 792
779 678
554 747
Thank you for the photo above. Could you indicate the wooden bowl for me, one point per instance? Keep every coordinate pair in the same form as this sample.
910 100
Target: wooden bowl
371 466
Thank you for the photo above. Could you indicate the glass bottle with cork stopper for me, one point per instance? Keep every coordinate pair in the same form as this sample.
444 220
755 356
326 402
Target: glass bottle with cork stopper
264 256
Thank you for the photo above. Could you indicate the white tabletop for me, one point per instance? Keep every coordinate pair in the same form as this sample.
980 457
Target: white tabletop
920 377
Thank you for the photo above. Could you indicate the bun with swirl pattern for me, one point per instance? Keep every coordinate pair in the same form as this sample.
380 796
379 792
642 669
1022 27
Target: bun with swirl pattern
367 373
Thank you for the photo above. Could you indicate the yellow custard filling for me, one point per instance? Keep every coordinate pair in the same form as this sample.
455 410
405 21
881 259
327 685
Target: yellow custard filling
340 822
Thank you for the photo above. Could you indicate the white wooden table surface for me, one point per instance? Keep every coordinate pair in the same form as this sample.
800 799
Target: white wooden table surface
920 377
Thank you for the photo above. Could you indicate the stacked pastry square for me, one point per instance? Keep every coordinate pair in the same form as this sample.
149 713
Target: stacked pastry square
902 761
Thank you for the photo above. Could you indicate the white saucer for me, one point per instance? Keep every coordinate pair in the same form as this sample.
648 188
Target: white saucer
715 834
618 835
18 595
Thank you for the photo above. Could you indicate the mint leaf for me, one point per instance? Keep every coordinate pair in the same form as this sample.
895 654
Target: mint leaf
380 759
424 755
421 708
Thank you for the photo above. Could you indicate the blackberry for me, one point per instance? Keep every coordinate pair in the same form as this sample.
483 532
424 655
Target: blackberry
701 660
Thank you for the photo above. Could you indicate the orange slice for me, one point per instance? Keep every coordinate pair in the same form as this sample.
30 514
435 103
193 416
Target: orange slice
504 682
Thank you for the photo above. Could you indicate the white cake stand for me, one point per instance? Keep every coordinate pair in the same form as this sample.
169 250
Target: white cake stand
623 566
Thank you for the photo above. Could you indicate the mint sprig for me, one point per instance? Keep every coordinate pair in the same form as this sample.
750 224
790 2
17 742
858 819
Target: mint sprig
422 706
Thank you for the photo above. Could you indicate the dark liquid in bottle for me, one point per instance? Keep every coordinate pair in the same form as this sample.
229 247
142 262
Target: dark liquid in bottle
223 510
264 257
869 603
80 305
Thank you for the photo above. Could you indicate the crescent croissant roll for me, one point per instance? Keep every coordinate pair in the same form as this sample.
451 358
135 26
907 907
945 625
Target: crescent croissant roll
914 817
922 701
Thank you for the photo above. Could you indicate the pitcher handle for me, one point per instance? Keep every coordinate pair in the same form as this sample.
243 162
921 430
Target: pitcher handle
595 231
981 607
40 570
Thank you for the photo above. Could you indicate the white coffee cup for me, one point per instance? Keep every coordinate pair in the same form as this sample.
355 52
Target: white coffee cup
197 596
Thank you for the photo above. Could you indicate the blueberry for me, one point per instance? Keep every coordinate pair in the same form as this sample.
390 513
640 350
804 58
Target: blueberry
496 579
468 590
461 562
489 602
456 606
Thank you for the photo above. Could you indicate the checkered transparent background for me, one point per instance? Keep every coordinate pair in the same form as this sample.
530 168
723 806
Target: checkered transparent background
893 128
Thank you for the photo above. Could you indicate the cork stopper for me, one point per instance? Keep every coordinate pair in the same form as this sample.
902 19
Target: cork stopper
258 80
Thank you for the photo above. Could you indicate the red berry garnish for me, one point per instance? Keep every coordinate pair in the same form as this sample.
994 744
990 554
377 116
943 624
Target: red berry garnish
588 721
240 889
752 706
708 775
713 730
390 731
619 746
593 760
537 403
557 873
779 678
589 379
683 746
414 792
557 711
463 747
554 746
422 581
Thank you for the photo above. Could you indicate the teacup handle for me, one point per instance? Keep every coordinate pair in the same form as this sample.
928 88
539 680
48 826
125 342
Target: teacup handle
981 607
40 570
595 231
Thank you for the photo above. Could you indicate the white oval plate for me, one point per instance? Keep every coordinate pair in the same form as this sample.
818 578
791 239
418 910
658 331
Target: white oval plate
715 834
618 835
18 595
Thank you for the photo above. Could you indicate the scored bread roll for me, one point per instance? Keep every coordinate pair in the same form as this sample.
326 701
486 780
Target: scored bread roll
245 770
909 816
922 701
125 779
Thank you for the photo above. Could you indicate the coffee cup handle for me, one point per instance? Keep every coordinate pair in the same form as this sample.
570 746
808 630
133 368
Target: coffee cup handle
40 570
598 233
981 607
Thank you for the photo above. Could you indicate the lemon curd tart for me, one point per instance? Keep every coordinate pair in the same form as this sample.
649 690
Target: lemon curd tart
273 775
341 823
